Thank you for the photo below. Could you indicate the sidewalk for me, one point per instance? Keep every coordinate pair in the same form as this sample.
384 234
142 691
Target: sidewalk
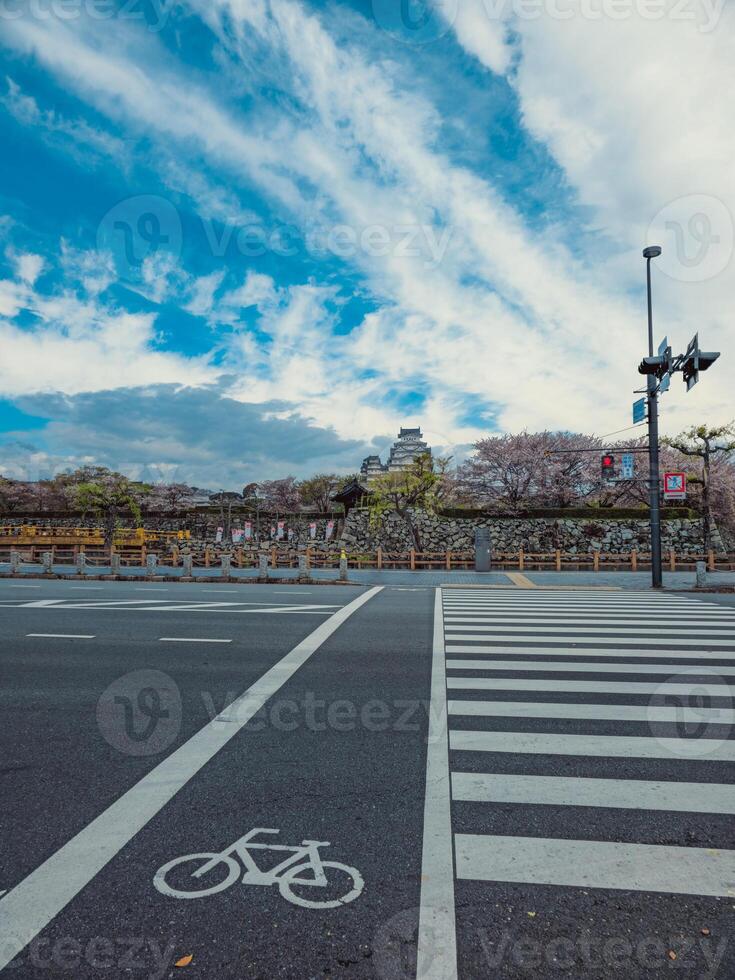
406 579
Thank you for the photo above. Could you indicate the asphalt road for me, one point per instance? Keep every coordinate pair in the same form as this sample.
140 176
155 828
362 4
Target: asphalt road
147 724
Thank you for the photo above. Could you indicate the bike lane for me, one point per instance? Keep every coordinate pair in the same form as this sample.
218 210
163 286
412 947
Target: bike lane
336 755
69 749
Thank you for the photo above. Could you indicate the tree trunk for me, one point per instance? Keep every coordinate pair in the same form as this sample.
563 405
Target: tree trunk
412 529
110 525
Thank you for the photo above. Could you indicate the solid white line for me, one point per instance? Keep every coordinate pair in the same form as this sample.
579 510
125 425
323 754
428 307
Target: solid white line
596 864
623 794
565 636
65 636
25 586
189 639
33 903
600 746
594 712
559 612
680 687
573 651
437 941
562 666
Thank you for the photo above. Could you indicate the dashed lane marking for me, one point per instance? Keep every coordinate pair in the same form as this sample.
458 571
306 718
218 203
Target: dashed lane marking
65 636
190 639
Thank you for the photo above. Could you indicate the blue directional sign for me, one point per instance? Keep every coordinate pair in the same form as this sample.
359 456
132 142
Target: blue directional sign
626 466
639 410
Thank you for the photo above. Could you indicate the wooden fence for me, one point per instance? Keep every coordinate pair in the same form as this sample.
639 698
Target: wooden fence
279 557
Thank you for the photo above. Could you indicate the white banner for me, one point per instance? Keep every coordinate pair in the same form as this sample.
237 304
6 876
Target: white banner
248 530
218 535
281 526
329 531
237 533
312 530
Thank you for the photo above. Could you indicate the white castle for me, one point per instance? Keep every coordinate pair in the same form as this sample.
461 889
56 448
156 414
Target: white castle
408 446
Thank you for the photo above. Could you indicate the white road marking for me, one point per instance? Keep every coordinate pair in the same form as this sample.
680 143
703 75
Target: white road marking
33 903
565 636
437 941
594 712
190 639
65 636
25 586
680 686
564 666
596 864
148 588
600 746
573 651
626 794
584 629
593 624
41 603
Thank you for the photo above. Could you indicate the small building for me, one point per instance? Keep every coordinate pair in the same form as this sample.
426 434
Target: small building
353 495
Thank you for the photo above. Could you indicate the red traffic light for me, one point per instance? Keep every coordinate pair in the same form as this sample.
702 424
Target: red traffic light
608 462
607 466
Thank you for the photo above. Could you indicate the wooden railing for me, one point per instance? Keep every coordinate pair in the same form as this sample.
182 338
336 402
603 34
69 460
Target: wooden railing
279 557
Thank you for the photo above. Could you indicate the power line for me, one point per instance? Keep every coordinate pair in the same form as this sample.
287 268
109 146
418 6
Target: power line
626 429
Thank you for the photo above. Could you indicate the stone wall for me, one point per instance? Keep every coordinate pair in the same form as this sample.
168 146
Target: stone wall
541 535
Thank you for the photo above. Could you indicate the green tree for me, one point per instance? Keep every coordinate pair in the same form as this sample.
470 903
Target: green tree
316 492
421 486
706 443
108 495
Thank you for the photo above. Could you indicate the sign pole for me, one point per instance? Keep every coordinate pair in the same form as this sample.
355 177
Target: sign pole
653 463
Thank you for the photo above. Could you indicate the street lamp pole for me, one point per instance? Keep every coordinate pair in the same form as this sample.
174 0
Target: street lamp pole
649 253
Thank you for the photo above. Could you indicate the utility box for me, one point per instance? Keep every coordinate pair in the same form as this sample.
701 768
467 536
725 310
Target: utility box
482 549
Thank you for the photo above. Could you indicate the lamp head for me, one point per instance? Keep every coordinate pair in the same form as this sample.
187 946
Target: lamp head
652 252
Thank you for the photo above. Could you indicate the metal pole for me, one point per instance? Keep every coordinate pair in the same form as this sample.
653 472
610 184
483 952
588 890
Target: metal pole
654 475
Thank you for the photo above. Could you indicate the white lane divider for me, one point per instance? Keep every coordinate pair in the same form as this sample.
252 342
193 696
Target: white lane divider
65 636
190 639
437 937
32 904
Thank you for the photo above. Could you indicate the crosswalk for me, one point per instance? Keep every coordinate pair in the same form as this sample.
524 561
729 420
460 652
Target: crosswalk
563 709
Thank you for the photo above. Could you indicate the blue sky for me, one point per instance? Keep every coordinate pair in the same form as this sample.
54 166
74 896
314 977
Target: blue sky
245 239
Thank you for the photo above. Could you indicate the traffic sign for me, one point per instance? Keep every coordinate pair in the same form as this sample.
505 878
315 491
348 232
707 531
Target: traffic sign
626 466
675 486
639 410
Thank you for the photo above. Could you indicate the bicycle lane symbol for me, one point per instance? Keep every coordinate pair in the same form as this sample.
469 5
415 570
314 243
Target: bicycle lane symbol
303 867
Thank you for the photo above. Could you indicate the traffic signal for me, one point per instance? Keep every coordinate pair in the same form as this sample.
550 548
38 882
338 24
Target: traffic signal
696 360
607 467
